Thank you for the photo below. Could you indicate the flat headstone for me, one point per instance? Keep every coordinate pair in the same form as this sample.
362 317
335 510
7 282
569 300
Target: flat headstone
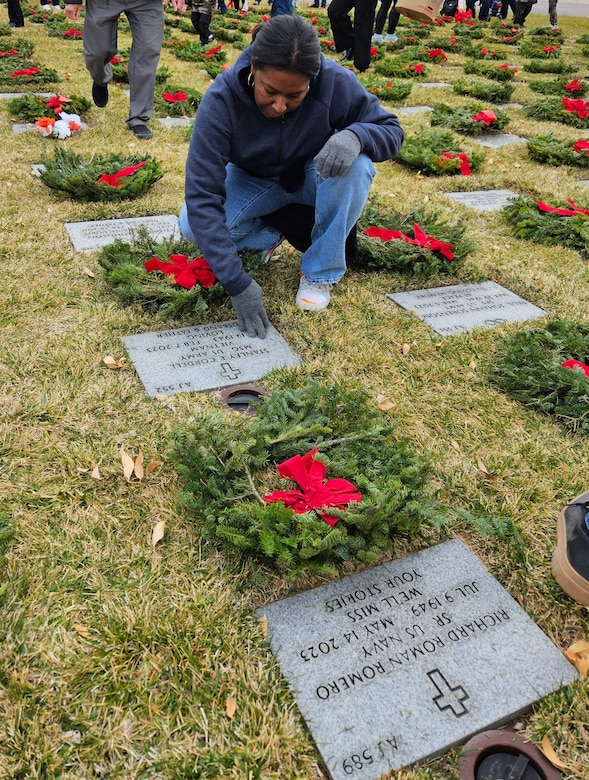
205 357
94 235
497 140
435 84
410 110
10 95
22 127
502 106
584 182
400 662
175 121
484 200
38 168
462 307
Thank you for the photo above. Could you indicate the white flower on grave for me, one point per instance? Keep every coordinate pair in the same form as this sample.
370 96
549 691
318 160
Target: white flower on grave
67 124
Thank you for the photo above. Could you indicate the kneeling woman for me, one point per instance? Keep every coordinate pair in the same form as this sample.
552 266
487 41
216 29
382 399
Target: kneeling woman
283 126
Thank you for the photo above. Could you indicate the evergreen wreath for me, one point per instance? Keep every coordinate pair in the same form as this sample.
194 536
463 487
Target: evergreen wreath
528 367
461 119
25 72
414 54
228 465
549 66
185 102
491 93
424 151
539 50
69 174
29 107
155 292
120 73
395 90
472 31
397 69
548 150
19 48
400 256
490 70
556 87
553 110
546 34
59 27
5 30
527 221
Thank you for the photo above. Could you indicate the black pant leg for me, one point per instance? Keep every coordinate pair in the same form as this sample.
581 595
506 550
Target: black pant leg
338 12
363 24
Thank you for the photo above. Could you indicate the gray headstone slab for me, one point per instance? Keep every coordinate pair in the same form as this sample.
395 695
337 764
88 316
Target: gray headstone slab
38 168
400 662
502 106
459 308
435 84
497 140
584 182
410 110
175 121
10 95
21 127
95 235
205 357
483 200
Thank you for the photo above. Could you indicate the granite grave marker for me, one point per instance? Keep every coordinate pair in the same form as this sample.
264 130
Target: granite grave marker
461 307
484 200
95 235
497 140
411 110
205 357
400 662
175 121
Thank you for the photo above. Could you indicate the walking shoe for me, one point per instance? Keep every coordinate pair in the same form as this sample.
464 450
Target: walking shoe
570 562
391 38
210 39
141 131
46 7
271 249
347 56
99 94
312 296
377 38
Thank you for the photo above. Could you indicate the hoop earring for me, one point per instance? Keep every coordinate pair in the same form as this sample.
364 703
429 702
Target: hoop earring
250 79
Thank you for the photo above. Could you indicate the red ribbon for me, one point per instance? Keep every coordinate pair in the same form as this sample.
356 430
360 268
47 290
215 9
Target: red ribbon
581 146
315 493
57 102
71 33
417 68
10 53
576 364
573 86
505 66
113 180
486 117
24 72
185 273
579 107
550 49
433 53
462 16
420 239
177 97
464 166
575 212
211 52
486 51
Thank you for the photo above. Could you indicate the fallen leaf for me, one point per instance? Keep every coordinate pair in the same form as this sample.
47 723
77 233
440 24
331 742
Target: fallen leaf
550 753
482 466
385 405
230 706
455 445
426 199
405 349
128 464
264 625
112 363
80 470
81 630
161 397
89 273
152 466
578 655
138 466
96 473
159 529
473 364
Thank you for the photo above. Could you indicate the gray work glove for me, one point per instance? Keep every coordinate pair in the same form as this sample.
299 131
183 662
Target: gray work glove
251 315
338 154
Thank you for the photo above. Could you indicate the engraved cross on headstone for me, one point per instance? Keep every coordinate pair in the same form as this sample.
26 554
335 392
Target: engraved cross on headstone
228 372
448 698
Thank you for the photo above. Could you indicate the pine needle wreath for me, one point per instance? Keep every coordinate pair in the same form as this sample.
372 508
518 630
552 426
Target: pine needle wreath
546 35
397 69
77 178
539 51
229 465
490 70
154 292
395 90
400 256
553 110
25 72
413 54
424 151
186 106
584 39
469 30
548 150
527 221
19 48
491 93
528 368
461 119
556 87
120 73
549 66
58 27
5 30
29 107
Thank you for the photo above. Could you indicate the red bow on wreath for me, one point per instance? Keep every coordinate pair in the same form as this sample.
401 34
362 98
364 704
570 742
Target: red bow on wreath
433 53
315 492
57 103
25 72
574 212
464 166
185 274
421 239
417 68
114 179
211 52
576 364
177 97
573 86
581 146
486 117
579 107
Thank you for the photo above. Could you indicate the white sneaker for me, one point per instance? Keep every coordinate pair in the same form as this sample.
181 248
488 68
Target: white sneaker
391 38
46 8
312 296
377 38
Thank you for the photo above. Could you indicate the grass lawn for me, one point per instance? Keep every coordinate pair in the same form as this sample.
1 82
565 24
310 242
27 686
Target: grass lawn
128 660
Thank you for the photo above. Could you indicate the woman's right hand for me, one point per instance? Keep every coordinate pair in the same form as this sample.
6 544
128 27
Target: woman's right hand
251 315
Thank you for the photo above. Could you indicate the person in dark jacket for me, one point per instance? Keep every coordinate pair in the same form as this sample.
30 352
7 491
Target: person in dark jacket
283 127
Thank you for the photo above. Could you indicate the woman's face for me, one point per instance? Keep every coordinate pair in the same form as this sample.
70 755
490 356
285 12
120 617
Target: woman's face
277 92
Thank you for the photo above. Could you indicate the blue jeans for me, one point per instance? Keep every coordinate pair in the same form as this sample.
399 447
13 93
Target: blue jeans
338 203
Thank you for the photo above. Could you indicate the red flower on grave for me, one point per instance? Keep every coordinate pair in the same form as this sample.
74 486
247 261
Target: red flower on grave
581 146
435 54
486 117
316 492
579 107
185 273
24 72
576 364
420 239
573 86
439 21
464 166
176 97
57 103
114 180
